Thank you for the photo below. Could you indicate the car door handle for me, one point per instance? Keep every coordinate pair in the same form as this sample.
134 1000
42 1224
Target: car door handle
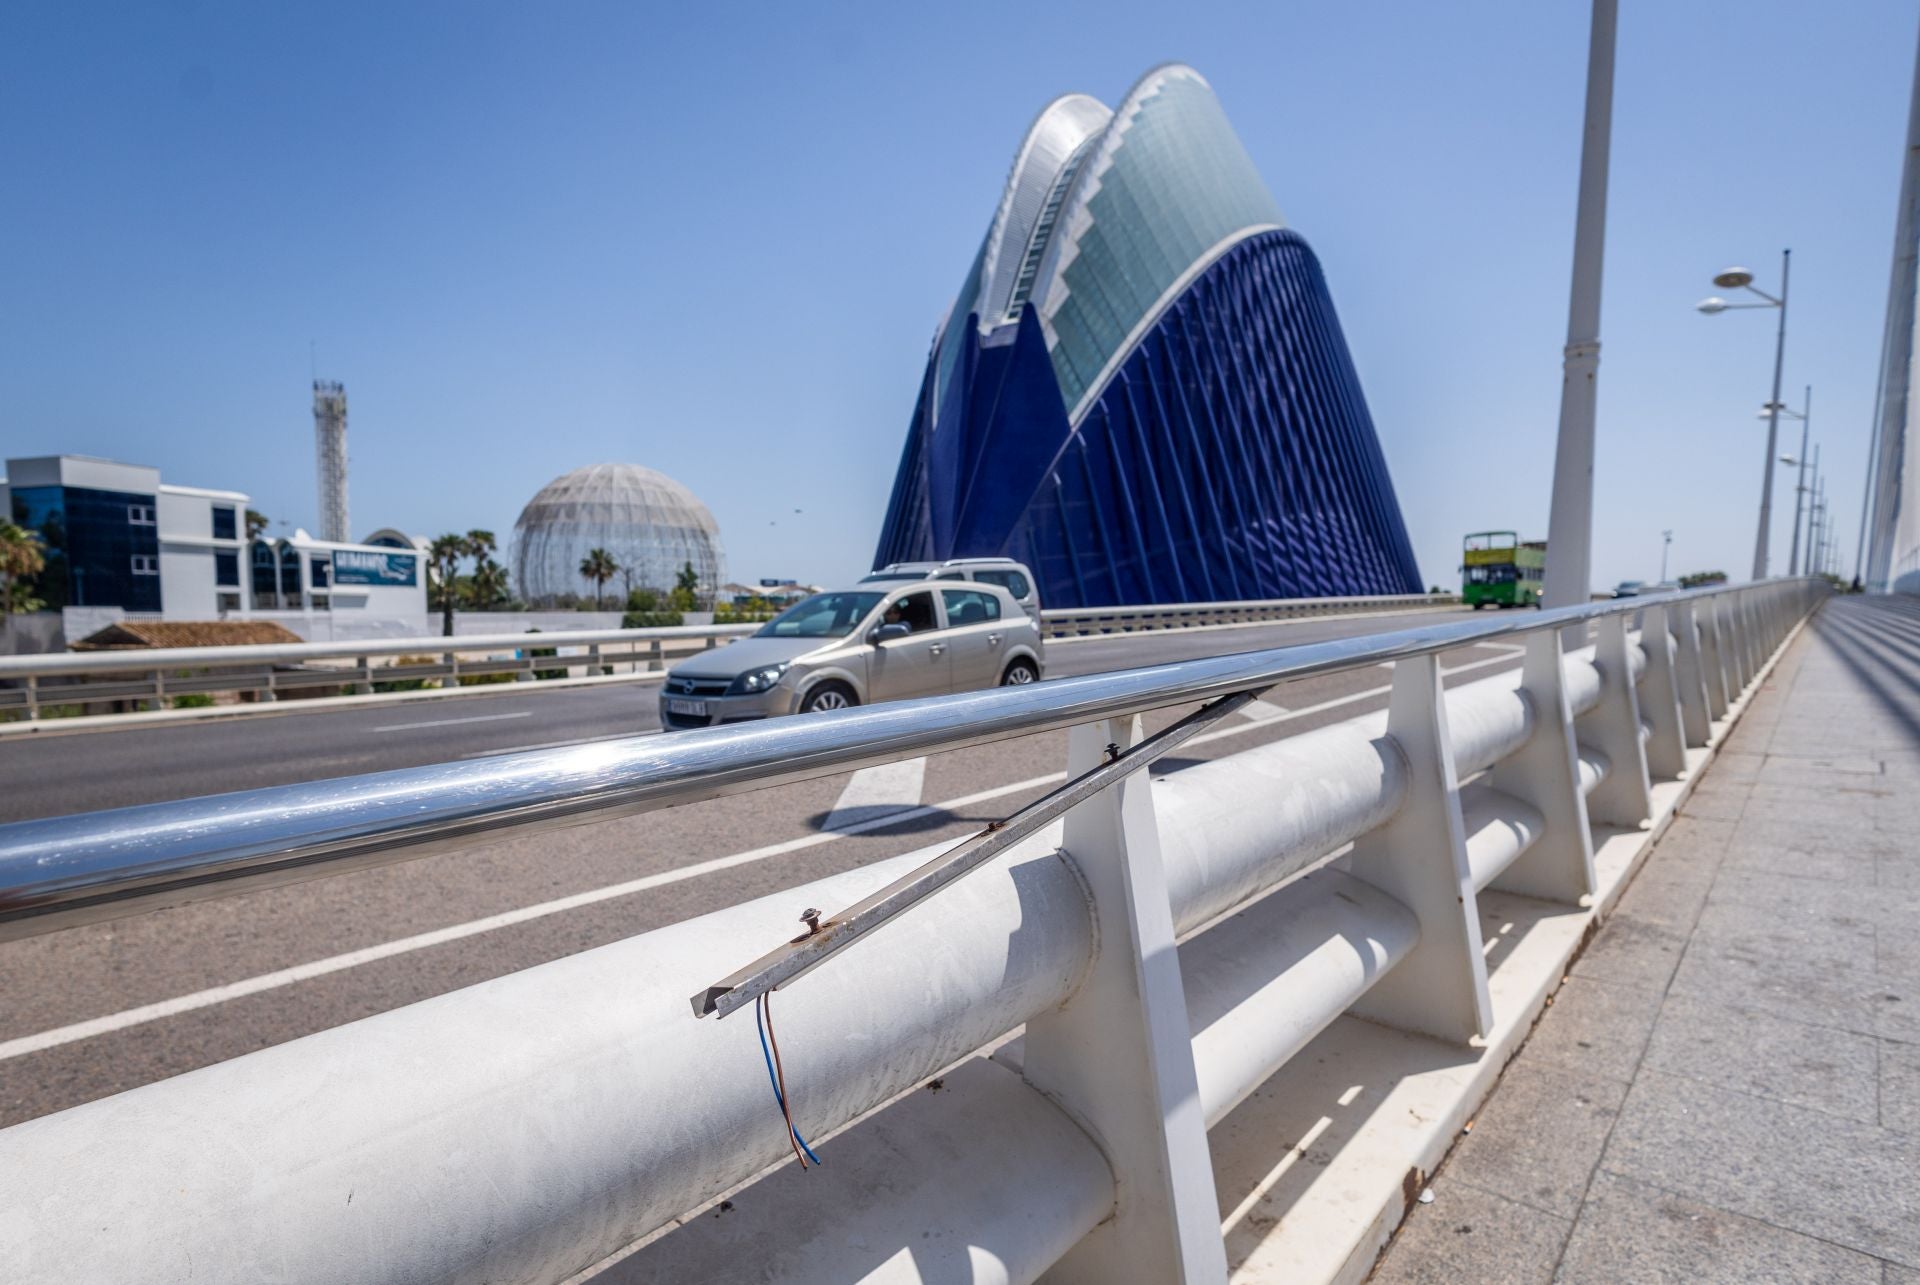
937 649
993 640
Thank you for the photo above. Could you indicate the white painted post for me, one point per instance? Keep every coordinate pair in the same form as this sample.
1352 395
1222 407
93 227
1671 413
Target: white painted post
1420 858
365 668
452 662
1690 674
33 697
1118 1056
1545 773
1744 649
1613 727
159 689
1719 690
1660 699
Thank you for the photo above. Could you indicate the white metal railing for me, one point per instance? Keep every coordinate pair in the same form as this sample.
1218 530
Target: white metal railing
528 1127
87 680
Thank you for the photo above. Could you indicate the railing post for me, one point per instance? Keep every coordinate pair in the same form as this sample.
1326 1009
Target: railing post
364 665
1719 690
267 693
33 697
452 661
1744 648
1660 699
1420 858
1696 721
1118 1056
159 689
1557 866
1624 798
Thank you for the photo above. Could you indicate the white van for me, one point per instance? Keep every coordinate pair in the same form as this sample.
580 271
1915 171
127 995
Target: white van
1004 572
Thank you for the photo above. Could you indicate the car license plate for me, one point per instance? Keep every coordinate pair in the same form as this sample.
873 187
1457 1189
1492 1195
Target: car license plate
696 709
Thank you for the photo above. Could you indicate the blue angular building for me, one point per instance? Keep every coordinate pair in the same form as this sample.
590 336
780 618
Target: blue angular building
1142 390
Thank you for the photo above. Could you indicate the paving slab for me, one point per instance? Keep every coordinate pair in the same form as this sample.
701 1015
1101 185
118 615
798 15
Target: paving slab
1538 1138
1471 1235
1768 1056
1900 1086
1630 1232
1597 1027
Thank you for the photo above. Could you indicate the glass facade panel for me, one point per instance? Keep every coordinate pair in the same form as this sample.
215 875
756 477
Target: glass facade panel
225 526
92 540
226 568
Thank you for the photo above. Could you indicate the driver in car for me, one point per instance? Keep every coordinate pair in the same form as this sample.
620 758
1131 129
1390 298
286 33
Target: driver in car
894 616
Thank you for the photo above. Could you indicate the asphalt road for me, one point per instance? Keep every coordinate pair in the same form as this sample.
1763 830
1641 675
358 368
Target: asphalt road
106 1007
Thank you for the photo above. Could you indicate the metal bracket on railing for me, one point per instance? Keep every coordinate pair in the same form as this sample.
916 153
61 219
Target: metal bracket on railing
828 935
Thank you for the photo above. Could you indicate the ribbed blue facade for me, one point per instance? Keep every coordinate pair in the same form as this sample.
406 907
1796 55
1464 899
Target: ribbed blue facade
1160 406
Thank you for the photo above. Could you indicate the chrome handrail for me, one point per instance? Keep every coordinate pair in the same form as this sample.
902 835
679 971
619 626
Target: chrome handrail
64 871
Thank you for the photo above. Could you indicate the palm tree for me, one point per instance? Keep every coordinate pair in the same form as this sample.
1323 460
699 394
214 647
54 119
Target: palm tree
599 567
20 557
489 584
443 560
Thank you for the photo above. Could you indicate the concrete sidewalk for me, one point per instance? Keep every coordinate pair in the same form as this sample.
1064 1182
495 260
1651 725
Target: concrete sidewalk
1727 1086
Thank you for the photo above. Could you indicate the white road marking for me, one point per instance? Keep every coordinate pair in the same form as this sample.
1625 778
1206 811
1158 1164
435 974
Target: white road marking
1262 711
449 722
878 791
561 745
92 1027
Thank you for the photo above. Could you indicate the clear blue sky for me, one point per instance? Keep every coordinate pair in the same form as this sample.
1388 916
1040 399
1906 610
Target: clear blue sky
715 240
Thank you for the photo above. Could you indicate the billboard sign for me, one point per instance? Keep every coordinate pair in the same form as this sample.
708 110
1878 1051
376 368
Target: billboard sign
351 566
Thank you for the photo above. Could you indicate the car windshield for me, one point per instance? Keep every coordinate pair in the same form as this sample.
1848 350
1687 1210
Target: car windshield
825 615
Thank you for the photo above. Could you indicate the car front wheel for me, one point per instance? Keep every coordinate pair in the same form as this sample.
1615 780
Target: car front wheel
1019 674
828 696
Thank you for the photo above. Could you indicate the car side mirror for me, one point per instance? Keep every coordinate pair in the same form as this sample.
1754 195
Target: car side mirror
881 633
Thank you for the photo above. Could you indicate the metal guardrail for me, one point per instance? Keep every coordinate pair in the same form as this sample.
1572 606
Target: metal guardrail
1087 622
599 1110
315 671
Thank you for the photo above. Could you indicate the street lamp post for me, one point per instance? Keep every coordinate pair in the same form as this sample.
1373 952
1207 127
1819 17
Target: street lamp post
1805 416
1741 279
1666 543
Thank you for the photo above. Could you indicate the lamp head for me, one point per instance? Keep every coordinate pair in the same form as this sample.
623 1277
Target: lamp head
1712 305
1733 279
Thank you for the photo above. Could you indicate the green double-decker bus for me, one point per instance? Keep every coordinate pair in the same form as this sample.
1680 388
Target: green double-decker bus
1499 569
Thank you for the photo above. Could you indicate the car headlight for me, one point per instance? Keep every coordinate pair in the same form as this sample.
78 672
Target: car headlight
758 680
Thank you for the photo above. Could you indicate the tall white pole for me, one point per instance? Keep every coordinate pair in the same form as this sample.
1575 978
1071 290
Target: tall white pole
1569 573
1881 504
1800 487
1760 540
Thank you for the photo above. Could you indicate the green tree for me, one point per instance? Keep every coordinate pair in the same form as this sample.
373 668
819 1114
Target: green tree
487 587
599 567
21 558
443 565
256 524
686 588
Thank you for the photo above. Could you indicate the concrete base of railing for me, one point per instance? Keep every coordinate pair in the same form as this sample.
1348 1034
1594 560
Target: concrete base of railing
1314 1170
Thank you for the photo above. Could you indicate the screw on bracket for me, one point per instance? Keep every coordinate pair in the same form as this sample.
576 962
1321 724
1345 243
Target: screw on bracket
1113 751
811 918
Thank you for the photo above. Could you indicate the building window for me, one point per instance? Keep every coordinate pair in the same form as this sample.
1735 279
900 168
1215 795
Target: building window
224 526
321 602
228 602
226 568
146 564
320 568
140 514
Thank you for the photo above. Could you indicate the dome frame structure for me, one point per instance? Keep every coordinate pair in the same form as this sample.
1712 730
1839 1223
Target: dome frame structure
652 525
1142 390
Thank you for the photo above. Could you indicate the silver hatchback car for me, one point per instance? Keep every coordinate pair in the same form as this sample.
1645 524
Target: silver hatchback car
859 646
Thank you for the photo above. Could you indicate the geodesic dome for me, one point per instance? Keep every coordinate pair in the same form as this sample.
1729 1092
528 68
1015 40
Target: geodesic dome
650 523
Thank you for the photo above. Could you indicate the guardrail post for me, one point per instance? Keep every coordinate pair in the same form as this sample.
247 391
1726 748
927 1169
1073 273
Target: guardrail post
159 689
1118 1056
33 697
1624 798
1420 858
593 660
1660 698
1557 866
452 661
365 667
1696 722
656 658
1714 658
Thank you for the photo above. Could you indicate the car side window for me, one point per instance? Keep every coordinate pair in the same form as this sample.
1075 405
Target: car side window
915 611
1012 581
970 606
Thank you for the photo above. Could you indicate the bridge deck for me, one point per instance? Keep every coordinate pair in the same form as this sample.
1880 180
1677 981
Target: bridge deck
1727 1087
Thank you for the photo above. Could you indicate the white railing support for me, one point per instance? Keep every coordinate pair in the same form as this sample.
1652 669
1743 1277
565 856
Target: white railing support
1624 797
1659 698
1714 656
1696 720
1420 858
1558 865
1118 1056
